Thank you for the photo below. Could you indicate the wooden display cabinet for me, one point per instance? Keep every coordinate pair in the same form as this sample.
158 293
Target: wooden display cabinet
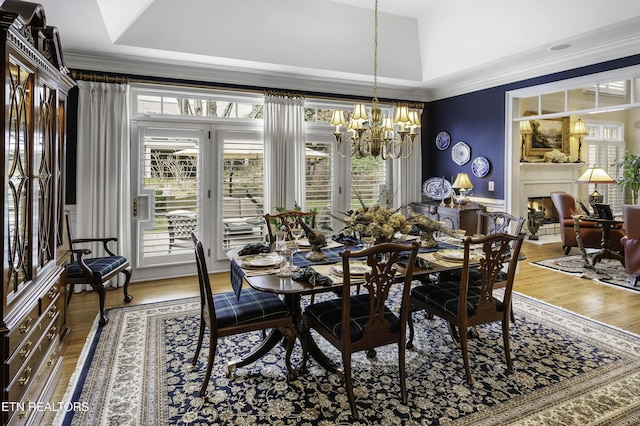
32 310
454 216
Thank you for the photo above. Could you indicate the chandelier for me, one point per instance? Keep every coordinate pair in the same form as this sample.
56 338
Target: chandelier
373 134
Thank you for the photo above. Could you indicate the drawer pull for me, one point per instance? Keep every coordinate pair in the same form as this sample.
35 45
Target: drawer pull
52 312
26 350
53 333
52 359
26 325
53 292
23 380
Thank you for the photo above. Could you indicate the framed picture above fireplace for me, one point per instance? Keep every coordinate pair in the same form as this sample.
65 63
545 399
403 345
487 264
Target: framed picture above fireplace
547 135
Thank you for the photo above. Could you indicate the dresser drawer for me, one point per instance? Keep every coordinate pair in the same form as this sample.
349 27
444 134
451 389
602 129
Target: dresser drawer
32 367
33 392
23 329
51 296
49 324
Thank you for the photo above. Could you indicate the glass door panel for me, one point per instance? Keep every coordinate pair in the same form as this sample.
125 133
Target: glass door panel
167 207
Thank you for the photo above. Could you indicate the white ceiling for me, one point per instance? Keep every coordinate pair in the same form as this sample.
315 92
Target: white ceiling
428 49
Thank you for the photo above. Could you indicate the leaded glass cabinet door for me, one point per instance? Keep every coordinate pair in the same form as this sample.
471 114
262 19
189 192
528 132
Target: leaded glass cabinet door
18 257
45 173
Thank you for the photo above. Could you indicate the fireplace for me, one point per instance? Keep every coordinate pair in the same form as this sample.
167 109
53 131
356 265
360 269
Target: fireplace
543 208
537 181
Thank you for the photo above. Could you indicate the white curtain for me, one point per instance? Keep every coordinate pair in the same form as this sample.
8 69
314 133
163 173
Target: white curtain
284 149
103 168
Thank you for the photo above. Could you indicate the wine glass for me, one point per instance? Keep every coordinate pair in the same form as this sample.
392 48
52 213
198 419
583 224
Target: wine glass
296 233
284 250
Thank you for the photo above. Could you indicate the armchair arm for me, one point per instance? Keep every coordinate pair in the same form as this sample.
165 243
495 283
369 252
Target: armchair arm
79 252
105 242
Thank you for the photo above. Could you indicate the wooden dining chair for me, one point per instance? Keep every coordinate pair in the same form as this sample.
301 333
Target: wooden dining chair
95 271
229 314
465 305
354 323
288 219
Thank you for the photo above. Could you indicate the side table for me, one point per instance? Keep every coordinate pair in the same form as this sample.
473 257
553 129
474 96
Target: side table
605 253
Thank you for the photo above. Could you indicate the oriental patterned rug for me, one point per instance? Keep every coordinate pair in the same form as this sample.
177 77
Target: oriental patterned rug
607 271
569 370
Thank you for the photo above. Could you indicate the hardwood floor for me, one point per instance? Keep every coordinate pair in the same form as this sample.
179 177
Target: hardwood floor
608 304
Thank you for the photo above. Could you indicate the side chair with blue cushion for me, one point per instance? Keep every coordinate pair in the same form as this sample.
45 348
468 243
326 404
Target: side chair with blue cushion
362 322
95 271
464 304
237 312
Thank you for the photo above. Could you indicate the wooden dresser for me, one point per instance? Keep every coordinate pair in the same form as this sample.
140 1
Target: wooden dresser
454 216
32 317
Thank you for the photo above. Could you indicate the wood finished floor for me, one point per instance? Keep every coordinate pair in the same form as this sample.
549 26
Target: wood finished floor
608 304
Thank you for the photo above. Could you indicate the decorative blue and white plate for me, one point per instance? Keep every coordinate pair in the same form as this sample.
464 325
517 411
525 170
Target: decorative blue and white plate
443 140
436 188
461 153
480 166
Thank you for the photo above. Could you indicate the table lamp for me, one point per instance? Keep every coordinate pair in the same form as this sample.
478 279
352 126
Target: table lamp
463 184
579 130
525 129
595 175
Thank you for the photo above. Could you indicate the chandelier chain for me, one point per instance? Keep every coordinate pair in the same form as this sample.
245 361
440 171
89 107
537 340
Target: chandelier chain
375 54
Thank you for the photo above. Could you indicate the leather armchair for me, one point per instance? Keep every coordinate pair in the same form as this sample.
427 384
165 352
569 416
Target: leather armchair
590 232
631 241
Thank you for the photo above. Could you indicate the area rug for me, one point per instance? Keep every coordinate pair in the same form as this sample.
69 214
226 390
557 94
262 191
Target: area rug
569 370
608 271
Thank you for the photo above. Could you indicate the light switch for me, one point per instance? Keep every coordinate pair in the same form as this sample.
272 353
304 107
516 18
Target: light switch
490 185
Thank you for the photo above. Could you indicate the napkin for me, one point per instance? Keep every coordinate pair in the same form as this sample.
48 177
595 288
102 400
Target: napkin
346 240
420 262
254 249
312 277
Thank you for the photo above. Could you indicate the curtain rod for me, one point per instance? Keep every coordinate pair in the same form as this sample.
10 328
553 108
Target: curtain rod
86 75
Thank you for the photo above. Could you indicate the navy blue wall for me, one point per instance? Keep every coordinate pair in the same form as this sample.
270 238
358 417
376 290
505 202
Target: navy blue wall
478 120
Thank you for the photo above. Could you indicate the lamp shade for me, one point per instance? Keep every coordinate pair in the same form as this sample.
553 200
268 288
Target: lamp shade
525 127
337 119
462 181
579 129
595 175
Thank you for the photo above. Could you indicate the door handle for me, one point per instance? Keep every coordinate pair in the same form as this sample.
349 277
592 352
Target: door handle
135 207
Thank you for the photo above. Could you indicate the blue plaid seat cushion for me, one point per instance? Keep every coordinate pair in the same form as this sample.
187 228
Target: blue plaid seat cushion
251 306
99 265
475 277
329 315
445 295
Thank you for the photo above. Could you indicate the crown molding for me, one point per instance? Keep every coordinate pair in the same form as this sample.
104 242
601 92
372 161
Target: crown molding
499 73
241 76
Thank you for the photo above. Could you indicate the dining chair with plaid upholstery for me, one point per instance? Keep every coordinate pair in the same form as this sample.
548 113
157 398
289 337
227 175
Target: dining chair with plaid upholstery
240 311
362 322
464 304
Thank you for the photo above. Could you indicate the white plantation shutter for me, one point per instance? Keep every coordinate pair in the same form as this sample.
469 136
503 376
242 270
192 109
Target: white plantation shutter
606 146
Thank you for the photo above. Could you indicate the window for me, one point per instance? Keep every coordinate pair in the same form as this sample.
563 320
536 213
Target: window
242 188
319 182
606 147
197 105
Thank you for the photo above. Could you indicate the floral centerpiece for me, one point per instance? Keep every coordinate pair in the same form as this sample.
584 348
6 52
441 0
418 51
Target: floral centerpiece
376 221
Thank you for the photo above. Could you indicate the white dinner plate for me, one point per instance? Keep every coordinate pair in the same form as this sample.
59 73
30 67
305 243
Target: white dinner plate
355 268
264 260
454 254
303 242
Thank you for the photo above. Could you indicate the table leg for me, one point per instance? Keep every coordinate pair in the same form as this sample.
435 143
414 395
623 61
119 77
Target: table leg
606 253
293 301
267 344
576 227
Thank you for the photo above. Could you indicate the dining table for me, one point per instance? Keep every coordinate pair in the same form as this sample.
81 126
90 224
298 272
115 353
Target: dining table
446 257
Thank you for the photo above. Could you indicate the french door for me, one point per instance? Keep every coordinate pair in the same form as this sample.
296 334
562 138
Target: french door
193 177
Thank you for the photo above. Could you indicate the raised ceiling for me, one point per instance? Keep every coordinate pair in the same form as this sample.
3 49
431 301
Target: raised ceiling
428 49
